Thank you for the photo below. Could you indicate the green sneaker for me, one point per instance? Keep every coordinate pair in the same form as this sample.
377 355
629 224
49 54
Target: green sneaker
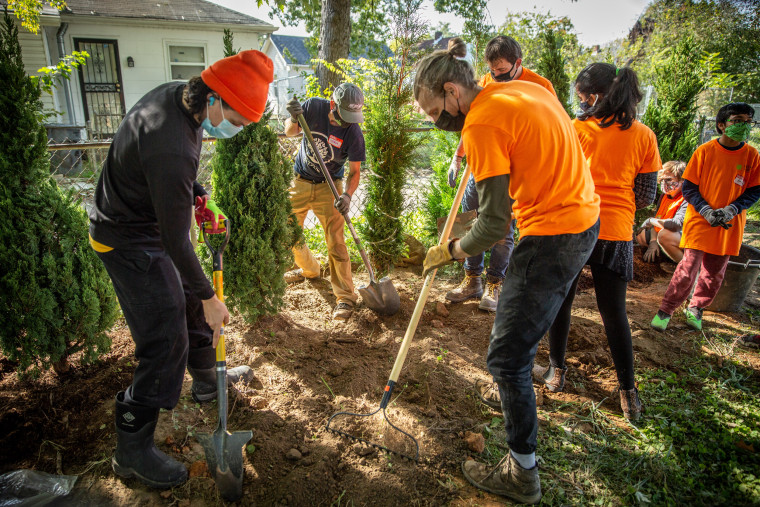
694 317
660 321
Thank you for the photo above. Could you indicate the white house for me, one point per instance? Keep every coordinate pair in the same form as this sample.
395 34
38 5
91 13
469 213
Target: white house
134 46
292 62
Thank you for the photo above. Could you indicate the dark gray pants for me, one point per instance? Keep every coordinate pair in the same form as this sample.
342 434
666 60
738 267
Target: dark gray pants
166 321
538 279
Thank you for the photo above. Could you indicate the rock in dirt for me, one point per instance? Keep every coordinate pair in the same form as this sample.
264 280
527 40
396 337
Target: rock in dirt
475 441
259 403
441 309
293 455
199 469
166 494
437 324
364 450
539 397
335 370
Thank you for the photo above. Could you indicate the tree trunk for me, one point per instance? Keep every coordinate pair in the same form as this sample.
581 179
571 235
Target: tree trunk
334 39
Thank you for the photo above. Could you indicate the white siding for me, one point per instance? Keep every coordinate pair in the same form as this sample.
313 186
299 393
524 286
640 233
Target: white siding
33 54
146 44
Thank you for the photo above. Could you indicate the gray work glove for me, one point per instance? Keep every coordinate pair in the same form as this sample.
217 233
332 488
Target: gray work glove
454 168
343 203
712 216
653 252
729 212
294 108
647 224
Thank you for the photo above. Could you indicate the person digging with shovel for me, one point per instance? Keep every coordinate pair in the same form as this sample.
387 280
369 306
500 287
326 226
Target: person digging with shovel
139 227
520 144
334 125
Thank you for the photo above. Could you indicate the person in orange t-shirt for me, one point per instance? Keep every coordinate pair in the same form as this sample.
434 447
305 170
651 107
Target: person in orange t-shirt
721 181
504 57
663 231
521 145
624 160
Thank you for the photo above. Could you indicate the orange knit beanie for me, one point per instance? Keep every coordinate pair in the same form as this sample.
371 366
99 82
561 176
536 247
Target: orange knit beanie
242 80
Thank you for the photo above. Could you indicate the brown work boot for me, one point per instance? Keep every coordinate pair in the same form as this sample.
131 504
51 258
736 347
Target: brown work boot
554 378
631 404
490 299
296 276
507 479
343 311
470 288
488 392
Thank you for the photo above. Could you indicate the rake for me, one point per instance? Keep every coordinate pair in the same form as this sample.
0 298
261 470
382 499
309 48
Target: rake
405 344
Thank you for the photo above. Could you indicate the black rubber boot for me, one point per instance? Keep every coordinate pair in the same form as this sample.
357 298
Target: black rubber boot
204 381
136 454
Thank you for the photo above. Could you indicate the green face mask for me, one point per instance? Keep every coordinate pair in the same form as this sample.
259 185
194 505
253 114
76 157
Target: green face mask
738 131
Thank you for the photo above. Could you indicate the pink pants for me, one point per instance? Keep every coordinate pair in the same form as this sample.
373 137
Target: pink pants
708 283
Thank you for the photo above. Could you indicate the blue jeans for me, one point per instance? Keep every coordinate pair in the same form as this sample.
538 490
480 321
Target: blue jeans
500 252
540 275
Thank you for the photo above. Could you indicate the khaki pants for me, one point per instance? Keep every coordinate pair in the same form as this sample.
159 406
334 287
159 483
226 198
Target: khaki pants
305 196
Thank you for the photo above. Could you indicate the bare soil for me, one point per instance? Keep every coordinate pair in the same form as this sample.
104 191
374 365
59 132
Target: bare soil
307 368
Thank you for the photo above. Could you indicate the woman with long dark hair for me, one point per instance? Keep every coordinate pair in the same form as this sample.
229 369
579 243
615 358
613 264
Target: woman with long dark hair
623 157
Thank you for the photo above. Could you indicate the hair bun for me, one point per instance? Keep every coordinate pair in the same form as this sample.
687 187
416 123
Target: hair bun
457 48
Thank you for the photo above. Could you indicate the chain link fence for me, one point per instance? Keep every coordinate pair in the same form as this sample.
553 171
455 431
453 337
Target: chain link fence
76 167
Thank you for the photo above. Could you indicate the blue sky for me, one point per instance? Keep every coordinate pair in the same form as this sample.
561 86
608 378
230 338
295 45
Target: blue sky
596 21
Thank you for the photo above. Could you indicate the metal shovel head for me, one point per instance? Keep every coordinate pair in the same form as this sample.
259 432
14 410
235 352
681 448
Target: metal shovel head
381 296
462 224
224 457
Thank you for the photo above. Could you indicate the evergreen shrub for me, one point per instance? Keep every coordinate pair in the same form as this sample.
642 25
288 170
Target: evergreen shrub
55 296
440 197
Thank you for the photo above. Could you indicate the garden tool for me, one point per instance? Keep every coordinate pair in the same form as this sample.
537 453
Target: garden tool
224 450
462 223
381 296
401 356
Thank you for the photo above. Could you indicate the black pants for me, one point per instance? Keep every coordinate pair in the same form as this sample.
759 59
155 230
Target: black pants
166 321
539 275
610 290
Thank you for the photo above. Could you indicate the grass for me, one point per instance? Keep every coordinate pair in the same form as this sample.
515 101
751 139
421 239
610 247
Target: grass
697 444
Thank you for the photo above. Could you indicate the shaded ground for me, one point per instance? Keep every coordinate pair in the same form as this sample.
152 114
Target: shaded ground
307 368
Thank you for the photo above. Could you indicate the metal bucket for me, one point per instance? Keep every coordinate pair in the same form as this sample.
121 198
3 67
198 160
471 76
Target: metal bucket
741 274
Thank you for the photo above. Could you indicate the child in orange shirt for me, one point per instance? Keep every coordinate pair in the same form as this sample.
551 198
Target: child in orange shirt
721 181
624 160
663 231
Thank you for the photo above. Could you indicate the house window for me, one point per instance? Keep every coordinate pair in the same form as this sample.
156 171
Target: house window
186 61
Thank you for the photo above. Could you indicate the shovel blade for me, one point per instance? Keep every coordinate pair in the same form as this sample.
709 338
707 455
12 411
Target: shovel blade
381 296
224 457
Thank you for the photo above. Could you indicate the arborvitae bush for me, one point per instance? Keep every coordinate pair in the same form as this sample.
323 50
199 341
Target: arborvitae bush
440 197
250 180
55 296
678 81
551 65
391 145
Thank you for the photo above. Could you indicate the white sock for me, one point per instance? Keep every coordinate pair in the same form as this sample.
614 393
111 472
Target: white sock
526 461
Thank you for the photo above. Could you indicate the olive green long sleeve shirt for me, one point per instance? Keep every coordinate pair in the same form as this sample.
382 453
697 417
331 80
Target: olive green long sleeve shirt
494 215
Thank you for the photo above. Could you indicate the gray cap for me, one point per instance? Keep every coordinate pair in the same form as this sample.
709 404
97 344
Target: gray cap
350 101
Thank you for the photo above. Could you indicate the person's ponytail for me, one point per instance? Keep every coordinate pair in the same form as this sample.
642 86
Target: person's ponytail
620 94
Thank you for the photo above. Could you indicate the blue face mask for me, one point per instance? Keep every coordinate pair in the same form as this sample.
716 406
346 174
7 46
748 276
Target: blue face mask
224 130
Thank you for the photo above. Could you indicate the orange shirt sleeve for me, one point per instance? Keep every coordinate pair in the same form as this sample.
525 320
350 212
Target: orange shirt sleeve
652 162
487 149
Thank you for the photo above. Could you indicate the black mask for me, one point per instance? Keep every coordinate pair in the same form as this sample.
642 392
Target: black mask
446 121
338 119
507 76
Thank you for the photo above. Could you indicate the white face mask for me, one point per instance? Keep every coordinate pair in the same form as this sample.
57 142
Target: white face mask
225 129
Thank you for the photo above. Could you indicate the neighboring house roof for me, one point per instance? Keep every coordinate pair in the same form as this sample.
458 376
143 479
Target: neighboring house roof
292 48
200 11
437 43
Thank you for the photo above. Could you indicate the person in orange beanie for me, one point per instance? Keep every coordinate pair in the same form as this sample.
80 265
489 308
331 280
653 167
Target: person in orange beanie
139 227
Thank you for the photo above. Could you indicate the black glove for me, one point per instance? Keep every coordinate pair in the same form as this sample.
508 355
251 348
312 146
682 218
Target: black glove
343 203
294 108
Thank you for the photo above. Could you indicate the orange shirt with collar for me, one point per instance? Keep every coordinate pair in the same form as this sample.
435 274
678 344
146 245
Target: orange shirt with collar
615 158
722 176
527 75
513 128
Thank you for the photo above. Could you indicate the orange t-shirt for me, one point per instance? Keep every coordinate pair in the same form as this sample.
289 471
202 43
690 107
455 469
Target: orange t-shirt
722 176
668 208
513 128
527 75
615 157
